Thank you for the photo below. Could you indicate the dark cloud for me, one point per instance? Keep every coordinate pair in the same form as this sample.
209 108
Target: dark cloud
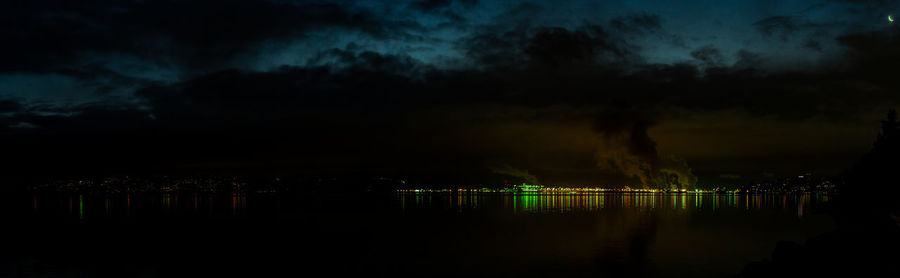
636 23
555 47
747 60
782 26
84 120
814 45
373 109
9 106
786 28
529 94
871 45
371 61
872 54
868 2
495 47
547 47
44 36
521 14
448 9
433 5
709 56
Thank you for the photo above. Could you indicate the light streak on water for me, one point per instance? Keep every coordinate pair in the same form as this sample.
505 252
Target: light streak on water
561 203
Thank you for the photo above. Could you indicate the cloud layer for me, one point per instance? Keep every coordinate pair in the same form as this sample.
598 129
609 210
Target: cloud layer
440 89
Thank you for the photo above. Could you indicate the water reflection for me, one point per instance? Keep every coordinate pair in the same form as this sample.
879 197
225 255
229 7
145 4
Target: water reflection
80 206
562 203
89 206
495 234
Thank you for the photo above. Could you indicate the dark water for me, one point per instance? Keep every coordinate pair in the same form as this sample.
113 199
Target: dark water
458 235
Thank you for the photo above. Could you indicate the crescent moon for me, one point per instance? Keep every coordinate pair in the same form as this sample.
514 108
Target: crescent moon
891 18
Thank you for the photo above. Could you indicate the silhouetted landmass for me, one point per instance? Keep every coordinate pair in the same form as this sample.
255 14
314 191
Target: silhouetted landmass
806 182
283 186
866 241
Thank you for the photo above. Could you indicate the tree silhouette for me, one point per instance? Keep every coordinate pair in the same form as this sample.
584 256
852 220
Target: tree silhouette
866 238
870 192
887 138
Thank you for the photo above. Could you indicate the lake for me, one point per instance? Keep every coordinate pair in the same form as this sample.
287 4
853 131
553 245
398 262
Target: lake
403 234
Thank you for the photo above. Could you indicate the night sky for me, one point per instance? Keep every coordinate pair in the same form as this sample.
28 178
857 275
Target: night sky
556 92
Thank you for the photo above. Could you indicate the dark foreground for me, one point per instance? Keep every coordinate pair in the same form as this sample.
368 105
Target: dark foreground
405 235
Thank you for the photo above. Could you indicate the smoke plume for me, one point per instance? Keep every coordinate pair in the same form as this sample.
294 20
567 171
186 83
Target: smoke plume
625 147
515 172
